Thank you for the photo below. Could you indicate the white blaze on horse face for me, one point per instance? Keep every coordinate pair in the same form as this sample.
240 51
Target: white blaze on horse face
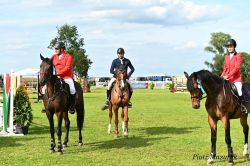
122 84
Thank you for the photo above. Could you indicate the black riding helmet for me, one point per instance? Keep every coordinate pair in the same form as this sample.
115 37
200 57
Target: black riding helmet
230 42
120 51
60 44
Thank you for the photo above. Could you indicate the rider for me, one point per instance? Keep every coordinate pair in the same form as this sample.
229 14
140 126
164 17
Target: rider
63 63
116 63
231 71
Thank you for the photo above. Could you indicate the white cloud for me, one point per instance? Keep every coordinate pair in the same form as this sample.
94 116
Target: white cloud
102 14
188 45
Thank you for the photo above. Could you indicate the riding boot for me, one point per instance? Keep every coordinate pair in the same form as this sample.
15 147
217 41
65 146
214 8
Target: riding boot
130 95
72 103
243 104
106 104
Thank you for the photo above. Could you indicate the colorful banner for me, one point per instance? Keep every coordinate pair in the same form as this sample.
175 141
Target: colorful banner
6 101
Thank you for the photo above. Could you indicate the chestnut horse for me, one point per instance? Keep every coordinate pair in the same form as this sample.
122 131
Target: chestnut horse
119 98
221 104
56 101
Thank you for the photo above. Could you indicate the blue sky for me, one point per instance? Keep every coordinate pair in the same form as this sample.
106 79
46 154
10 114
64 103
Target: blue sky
159 36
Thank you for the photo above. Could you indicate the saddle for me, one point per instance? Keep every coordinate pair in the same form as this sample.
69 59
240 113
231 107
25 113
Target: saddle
245 91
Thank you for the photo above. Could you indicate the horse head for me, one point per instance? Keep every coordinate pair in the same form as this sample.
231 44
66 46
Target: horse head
194 87
121 76
46 70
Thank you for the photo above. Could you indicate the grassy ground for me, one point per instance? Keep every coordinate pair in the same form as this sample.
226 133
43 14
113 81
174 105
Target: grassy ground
163 130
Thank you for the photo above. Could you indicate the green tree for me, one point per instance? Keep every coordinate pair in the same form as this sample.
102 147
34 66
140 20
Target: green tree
74 46
216 47
245 67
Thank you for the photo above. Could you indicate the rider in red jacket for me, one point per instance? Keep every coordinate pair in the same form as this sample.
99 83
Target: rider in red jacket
231 72
63 63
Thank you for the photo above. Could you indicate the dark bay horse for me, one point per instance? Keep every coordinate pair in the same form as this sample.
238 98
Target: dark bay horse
119 98
56 101
221 104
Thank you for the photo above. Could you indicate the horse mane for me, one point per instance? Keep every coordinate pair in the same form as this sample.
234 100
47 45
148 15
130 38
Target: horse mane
208 78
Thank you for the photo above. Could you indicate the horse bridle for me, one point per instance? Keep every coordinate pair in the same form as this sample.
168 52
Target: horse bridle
201 89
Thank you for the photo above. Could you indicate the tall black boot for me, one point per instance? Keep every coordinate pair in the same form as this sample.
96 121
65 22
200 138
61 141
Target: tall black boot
243 104
130 95
72 103
106 104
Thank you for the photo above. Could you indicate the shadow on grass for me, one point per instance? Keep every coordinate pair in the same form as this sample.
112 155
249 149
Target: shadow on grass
166 130
14 141
130 142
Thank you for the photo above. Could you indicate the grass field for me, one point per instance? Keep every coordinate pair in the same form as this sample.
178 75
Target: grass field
163 130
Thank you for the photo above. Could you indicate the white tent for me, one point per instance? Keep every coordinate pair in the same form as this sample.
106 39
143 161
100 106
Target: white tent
27 72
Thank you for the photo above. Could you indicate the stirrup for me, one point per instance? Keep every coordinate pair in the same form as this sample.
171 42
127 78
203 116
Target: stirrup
106 105
129 104
244 110
72 110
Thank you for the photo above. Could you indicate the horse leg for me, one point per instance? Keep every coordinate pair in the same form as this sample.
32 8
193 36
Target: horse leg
110 118
125 112
52 132
59 131
226 124
213 126
123 124
67 126
116 120
243 121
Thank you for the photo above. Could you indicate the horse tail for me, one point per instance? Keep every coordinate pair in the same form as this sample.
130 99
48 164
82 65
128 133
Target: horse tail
80 112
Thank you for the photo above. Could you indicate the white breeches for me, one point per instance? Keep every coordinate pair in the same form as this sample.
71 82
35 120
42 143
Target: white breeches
113 80
70 82
239 87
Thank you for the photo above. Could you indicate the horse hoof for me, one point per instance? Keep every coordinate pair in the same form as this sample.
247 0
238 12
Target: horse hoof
116 136
210 161
65 145
230 164
59 152
80 143
109 131
52 151
125 134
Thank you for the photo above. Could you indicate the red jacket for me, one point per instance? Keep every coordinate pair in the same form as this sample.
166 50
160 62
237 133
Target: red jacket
232 67
64 65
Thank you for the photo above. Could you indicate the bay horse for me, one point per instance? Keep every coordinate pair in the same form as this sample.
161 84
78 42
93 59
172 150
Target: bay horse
56 101
119 98
221 104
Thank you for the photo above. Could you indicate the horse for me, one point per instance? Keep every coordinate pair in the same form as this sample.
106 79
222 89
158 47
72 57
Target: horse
56 101
221 104
119 98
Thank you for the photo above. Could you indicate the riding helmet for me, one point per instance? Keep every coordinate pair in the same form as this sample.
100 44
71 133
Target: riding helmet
60 44
120 51
230 42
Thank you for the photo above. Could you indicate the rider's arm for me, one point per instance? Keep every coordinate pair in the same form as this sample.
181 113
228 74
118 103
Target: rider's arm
225 68
112 68
132 69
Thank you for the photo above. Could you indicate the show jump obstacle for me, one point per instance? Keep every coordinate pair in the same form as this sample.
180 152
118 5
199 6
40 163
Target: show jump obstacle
6 111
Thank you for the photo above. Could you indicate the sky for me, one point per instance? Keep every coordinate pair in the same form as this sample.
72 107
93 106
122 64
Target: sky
159 36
